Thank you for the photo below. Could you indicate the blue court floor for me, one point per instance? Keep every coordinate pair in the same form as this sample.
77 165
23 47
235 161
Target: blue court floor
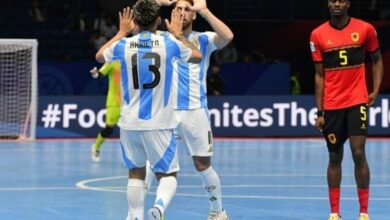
274 179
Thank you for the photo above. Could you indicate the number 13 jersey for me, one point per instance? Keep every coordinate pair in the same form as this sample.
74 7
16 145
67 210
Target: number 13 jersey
342 52
147 61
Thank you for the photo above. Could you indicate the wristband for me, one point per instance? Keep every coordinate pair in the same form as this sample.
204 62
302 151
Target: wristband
320 113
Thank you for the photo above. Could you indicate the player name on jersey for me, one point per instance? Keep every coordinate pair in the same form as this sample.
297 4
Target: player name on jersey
145 44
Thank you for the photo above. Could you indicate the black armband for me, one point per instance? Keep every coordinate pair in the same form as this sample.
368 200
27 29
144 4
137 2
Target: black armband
320 113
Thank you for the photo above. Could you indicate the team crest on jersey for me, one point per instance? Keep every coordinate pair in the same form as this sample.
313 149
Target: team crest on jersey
355 36
312 47
332 138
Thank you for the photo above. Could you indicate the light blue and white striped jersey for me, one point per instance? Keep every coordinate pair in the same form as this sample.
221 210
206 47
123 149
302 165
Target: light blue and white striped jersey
146 79
190 82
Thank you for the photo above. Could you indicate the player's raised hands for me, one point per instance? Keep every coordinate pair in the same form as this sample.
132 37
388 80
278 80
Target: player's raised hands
198 6
165 2
126 21
176 24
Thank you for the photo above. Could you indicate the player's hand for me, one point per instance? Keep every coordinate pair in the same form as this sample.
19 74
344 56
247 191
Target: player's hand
94 72
199 5
320 121
175 26
165 2
126 21
371 98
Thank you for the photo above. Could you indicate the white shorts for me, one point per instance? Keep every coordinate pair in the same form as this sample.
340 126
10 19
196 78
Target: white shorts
194 132
157 146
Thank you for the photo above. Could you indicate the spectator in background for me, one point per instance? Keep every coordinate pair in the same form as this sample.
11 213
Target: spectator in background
81 22
295 86
66 18
108 28
36 12
254 56
214 81
384 11
100 20
227 54
97 39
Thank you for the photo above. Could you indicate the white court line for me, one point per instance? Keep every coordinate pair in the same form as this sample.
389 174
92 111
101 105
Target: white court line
36 188
83 185
256 186
277 175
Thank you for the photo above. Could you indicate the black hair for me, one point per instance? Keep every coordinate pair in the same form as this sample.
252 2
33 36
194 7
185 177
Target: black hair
146 12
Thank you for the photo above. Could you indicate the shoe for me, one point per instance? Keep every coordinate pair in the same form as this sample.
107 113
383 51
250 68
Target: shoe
218 215
155 214
95 154
334 216
363 216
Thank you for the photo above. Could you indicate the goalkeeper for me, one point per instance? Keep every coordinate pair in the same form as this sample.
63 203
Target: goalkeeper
112 71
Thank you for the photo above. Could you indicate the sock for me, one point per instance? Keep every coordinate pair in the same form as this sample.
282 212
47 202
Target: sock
363 195
334 199
165 191
212 185
99 141
135 199
149 177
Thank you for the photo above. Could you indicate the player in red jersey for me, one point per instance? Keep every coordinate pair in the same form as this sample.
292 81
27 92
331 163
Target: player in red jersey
338 50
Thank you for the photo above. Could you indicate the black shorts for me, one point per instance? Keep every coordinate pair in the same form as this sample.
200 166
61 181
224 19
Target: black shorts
342 123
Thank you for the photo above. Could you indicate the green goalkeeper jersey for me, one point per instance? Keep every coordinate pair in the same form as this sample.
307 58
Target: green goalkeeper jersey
112 71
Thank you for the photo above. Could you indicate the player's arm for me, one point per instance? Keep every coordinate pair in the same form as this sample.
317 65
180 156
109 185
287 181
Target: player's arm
377 75
106 69
319 84
319 80
175 28
224 34
372 46
165 2
126 26
319 94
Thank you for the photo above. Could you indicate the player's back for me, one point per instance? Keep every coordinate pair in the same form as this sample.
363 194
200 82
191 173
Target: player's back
146 75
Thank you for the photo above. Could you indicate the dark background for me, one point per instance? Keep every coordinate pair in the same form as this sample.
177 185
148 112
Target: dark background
270 31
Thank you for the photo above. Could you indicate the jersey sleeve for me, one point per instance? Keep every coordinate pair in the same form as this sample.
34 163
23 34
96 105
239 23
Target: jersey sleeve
371 43
106 68
211 39
316 53
108 53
